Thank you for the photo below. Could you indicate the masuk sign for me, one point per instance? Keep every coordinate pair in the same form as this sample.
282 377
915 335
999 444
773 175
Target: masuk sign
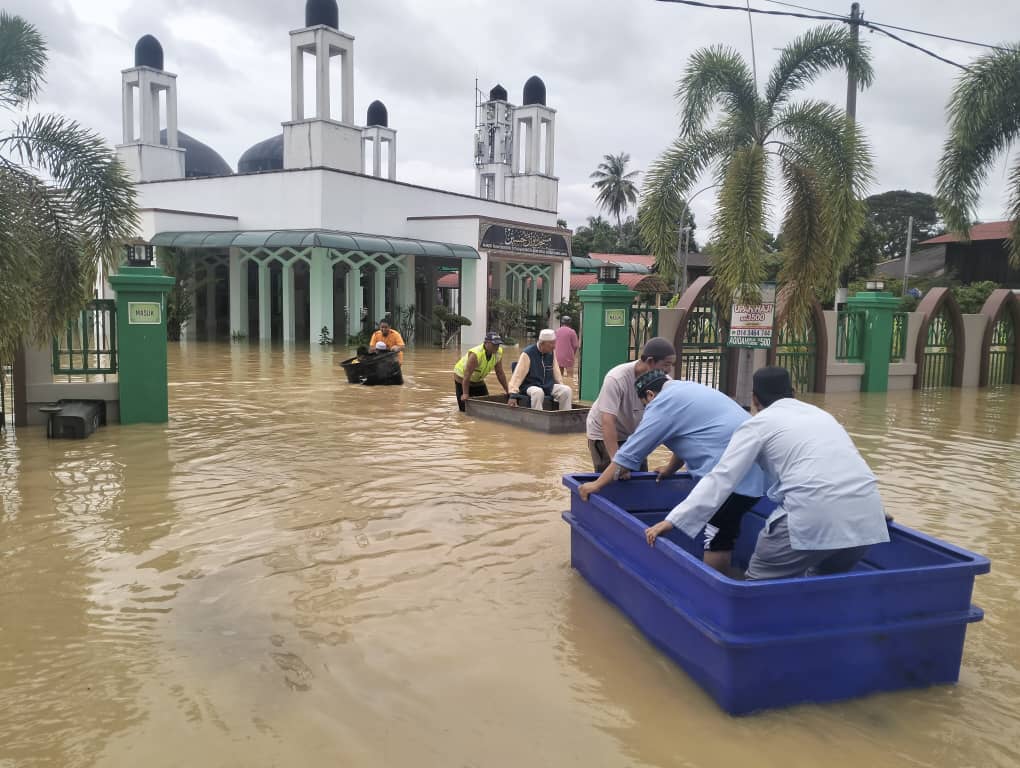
751 325
499 237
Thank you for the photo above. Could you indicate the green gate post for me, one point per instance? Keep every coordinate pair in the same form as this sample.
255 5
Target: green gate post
141 340
879 307
605 330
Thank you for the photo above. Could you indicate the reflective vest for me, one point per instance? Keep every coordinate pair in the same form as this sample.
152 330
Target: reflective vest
486 364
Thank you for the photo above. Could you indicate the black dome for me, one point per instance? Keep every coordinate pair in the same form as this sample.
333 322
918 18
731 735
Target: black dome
265 156
534 91
322 12
377 115
199 159
148 52
498 93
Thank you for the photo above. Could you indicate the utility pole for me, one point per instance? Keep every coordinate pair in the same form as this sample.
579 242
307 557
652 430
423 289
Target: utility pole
906 258
851 112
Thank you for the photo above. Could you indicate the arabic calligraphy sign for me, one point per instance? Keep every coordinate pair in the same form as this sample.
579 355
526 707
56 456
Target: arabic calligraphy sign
497 237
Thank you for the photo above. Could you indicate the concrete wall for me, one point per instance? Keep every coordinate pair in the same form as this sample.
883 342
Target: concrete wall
974 333
840 376
41 388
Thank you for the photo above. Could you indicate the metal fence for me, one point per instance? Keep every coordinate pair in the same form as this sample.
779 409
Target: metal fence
850 326
796 350
939 353
898 349
6 395
1002 350
644 325
89 346
703 354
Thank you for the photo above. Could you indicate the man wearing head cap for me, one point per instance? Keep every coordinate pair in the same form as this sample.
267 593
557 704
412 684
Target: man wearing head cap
696 423
477 363
566 346
537 376
617 410
829 511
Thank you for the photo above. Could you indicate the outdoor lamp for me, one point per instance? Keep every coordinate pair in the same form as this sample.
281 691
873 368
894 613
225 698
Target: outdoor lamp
609 273
874 285
138 254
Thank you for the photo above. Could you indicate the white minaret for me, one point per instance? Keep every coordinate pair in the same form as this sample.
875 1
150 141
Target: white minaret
376 133
533 182
145 157
317 139
494 145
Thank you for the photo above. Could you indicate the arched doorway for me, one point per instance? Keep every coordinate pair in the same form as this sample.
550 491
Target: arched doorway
702 354
1000 349
801 350
940 342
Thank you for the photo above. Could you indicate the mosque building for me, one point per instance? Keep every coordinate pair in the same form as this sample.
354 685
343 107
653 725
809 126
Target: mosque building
314 231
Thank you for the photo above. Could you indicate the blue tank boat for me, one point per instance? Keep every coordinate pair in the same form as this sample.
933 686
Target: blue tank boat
898 620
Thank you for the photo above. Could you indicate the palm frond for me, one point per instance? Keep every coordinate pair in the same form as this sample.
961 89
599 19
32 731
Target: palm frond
667 184
22 61
97 191
1014 213
984 119
804 241
817 51
716 74
739 226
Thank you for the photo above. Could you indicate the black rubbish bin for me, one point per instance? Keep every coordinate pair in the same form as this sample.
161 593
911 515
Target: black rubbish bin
352 367
381 368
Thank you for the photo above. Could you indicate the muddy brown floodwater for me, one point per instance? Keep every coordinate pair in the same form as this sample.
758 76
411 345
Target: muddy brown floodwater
300 572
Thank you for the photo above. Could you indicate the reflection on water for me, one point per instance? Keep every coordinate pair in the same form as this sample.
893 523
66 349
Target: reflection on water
298 571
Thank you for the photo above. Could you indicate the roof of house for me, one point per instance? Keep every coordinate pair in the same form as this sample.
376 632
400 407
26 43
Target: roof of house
928 261
992 230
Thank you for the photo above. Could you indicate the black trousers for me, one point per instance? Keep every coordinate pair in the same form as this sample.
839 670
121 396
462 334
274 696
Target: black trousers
477 389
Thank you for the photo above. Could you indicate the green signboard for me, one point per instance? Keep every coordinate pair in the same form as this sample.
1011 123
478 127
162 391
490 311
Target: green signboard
145 313
616 318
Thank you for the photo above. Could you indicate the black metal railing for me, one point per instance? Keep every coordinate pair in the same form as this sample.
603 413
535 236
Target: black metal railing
89 345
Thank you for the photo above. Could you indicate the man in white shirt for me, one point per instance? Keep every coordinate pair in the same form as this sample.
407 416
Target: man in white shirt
829 511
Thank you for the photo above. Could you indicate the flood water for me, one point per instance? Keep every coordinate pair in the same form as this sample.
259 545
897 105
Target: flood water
300 572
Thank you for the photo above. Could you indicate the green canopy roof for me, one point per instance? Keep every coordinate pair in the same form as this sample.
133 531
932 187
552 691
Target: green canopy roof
586 264
314 238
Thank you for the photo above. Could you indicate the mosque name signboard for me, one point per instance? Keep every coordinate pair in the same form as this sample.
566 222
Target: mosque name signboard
498 237
751 325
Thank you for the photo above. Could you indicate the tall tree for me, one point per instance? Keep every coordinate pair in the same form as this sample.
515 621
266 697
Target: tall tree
66 203
889 213
984 121
823 166
615 184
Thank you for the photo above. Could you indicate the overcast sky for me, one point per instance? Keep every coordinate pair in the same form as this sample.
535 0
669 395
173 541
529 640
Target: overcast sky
610 67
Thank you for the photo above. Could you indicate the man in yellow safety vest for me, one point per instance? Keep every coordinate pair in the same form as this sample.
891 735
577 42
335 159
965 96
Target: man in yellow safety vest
473 368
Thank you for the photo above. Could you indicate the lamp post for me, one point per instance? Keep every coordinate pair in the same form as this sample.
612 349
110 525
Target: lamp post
680 281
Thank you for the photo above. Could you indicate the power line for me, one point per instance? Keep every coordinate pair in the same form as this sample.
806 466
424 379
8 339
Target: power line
801 7
909 44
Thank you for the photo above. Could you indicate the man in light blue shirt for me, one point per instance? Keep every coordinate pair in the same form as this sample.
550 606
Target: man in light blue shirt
829 511
696 423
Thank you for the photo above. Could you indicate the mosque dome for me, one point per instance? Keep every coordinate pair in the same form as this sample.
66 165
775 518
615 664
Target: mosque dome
148 52
199 159
322 12
377 115
534 91
265 156
498 93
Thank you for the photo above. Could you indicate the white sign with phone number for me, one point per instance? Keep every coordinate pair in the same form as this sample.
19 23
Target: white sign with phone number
751 325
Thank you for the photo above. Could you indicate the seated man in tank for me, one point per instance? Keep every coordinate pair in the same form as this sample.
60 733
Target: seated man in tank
537 376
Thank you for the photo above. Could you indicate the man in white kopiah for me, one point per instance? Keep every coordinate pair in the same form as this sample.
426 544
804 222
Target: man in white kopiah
537 375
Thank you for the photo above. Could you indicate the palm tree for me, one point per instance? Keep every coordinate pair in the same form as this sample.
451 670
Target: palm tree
65 201
984 120
616 186
823 166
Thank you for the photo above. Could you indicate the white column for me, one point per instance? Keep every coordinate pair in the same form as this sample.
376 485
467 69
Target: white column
533 298
534 145
149 132
129 113
210 302
556 288
473 298
321 77
392 159
238 293
171 116
377 154
519 129
347 83
288 302
380 293
405 283
354 300
265 305
499 278
320 290
550 143
297 84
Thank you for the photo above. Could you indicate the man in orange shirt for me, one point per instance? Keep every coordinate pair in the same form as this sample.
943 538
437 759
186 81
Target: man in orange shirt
391 338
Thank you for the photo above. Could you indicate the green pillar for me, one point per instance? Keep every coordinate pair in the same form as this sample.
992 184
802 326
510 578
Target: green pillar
876 346
141 343
605 333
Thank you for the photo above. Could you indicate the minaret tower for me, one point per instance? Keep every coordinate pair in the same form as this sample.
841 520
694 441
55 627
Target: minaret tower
316 139
141 152
533 182
494 145
377 132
